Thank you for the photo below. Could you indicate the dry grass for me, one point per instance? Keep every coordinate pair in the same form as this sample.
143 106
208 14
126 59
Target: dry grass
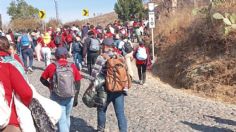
20 24
173 23
194 54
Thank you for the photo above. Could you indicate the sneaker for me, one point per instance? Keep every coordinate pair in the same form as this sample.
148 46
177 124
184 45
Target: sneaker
141 82
30 69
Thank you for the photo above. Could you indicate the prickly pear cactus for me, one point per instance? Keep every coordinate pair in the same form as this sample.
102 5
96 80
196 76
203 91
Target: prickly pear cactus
228 19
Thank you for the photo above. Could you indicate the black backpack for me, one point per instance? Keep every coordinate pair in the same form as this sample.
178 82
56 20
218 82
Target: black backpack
127 47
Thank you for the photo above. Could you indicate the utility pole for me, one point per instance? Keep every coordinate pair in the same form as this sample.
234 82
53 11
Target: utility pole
56 8
0 20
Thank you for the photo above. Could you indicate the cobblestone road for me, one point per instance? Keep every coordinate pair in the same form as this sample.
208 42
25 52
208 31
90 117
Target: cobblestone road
154 107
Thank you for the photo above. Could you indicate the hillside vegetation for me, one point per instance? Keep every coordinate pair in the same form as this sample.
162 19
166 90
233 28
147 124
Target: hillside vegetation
194 53
103 20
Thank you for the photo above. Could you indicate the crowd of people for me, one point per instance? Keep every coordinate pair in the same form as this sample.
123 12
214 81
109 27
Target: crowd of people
107 52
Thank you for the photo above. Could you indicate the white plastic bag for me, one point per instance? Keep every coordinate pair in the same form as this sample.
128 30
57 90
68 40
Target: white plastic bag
24 116
5 110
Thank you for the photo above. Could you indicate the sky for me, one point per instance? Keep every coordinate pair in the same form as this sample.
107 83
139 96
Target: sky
69 10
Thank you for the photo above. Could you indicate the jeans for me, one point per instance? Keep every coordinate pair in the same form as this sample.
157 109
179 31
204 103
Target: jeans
28 52
91 59
118 103
78 60
142 72
66 106
46 53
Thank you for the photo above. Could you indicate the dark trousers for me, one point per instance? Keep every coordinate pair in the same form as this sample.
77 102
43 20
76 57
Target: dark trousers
91 59
142 71
28 52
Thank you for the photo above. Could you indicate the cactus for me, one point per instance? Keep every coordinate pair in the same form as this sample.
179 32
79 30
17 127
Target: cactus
229 21
218 16
233 18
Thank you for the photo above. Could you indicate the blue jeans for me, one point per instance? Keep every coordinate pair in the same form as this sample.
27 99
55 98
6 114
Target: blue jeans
118 103
66 107
78 60
28 52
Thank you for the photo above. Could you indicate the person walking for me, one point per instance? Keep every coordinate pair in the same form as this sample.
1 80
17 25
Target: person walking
45 50
127 51
91 50
12 81
77 52
117 98
64 78
142 55
38 47
24 43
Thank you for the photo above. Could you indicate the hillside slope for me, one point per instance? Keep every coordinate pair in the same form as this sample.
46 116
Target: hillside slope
103 20
193 53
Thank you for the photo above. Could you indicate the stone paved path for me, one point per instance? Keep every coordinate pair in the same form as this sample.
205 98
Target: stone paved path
154 107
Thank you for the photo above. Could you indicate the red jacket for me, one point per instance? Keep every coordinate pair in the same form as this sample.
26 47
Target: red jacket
51 69
13 80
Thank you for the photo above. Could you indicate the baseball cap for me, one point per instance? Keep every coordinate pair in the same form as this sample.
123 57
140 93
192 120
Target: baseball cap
61 51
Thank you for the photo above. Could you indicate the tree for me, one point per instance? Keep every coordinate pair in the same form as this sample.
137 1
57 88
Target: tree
20 9
23 16
129 9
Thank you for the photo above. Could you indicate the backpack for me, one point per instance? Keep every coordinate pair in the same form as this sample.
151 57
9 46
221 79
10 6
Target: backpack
127 47
94 45
58 40
25 40
117 77
76 47
5 109
141 53
63 80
